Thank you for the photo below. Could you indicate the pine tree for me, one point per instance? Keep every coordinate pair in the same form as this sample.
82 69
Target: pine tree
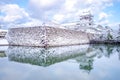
109 36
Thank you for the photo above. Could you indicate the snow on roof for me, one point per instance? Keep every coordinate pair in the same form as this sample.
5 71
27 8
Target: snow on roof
69 24
1 30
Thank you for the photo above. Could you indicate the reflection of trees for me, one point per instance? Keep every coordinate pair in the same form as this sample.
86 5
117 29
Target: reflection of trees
96 50
118 51
2 54
109 49
85 61
88 66
104 49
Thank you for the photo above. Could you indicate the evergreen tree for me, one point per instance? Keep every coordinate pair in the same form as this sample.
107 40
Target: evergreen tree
109 36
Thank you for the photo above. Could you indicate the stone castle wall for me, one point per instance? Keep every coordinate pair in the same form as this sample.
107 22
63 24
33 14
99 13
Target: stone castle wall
45 36
57 37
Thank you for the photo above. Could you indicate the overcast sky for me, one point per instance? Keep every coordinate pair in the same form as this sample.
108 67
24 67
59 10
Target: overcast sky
35 12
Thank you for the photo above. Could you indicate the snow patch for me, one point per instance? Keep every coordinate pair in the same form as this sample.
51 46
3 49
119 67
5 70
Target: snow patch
3 42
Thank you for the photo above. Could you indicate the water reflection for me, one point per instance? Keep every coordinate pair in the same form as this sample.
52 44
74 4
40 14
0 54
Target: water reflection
44 56
84 55
2 51
96 51
2 54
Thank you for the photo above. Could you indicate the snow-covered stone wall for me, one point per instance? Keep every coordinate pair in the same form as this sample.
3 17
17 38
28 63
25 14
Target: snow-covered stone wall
45 36
29 36
57 37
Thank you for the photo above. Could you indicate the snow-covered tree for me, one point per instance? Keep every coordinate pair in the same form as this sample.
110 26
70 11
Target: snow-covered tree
119 29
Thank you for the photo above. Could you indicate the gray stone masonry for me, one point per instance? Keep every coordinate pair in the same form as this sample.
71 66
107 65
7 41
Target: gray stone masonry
46 36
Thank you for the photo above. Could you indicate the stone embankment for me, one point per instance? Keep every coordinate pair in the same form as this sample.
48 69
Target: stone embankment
46 36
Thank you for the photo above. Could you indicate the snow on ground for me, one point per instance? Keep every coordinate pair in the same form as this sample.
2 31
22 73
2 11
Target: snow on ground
3 42
1 30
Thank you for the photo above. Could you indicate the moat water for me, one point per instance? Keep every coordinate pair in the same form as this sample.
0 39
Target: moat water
80 62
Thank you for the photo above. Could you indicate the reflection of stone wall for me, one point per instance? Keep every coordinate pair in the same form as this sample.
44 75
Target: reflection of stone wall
42 56
45 36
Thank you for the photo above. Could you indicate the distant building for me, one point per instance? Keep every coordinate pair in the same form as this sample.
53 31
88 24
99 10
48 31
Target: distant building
86 19
85 24
2 33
